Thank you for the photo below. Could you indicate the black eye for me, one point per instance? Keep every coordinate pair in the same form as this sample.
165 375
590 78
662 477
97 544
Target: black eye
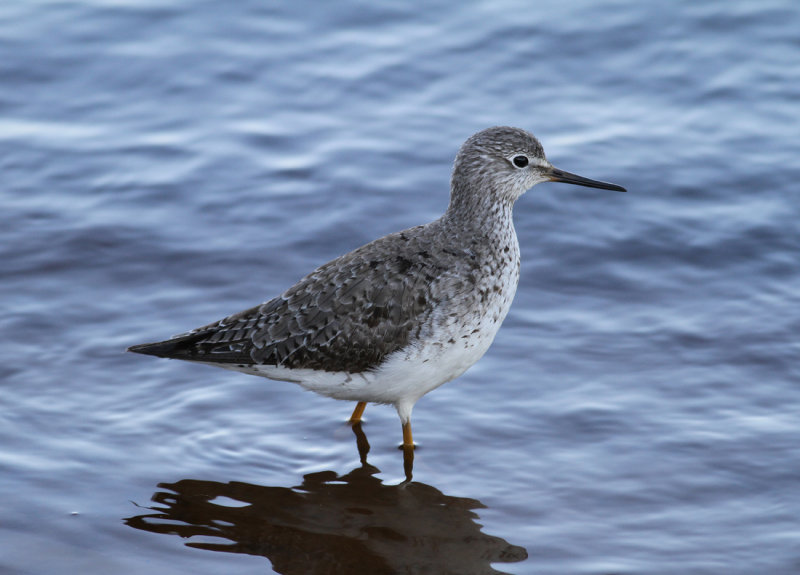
520 161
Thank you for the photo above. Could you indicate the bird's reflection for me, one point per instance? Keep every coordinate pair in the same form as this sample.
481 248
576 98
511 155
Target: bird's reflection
332 524
363 449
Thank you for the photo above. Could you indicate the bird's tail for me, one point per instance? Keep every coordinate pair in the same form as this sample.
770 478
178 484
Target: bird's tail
181 347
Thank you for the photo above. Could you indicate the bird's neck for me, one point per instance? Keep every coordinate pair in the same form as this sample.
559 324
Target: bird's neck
481 214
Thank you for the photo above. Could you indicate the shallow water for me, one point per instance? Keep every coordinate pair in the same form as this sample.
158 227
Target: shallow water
167 163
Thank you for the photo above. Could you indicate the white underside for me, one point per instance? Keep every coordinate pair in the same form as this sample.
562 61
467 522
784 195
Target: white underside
405 375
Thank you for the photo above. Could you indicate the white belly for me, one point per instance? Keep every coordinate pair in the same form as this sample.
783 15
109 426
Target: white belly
448 346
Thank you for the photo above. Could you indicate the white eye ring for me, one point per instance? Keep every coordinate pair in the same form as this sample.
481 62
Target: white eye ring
520 161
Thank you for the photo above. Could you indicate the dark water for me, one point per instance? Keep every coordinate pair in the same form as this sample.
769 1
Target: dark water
163 164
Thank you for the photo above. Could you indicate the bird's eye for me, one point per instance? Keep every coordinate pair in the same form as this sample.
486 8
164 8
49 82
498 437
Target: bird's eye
520 161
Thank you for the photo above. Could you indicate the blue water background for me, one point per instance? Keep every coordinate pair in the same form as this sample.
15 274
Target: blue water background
164 164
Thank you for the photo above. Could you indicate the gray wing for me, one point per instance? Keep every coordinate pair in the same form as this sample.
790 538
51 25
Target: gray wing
345 316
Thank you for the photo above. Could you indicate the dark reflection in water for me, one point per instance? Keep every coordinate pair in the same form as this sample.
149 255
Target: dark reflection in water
332 524
363 449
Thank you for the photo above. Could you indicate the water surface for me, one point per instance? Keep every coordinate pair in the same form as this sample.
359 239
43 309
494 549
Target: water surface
167 163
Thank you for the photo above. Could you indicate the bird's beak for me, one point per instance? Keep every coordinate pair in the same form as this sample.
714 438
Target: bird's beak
556 175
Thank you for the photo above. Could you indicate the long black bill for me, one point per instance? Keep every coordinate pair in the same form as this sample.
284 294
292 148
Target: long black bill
557 175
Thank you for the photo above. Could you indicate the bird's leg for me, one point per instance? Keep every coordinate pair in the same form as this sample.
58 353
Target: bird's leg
404 411
358 412
408 440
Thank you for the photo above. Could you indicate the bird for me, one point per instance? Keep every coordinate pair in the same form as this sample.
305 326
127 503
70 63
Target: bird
398 317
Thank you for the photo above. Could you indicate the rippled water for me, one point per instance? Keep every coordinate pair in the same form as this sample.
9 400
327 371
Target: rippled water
164 164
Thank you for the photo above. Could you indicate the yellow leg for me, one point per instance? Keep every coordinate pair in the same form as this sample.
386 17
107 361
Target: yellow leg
408 440
358 412
408 450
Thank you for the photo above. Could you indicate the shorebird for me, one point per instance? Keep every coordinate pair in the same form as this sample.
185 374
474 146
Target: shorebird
404 314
